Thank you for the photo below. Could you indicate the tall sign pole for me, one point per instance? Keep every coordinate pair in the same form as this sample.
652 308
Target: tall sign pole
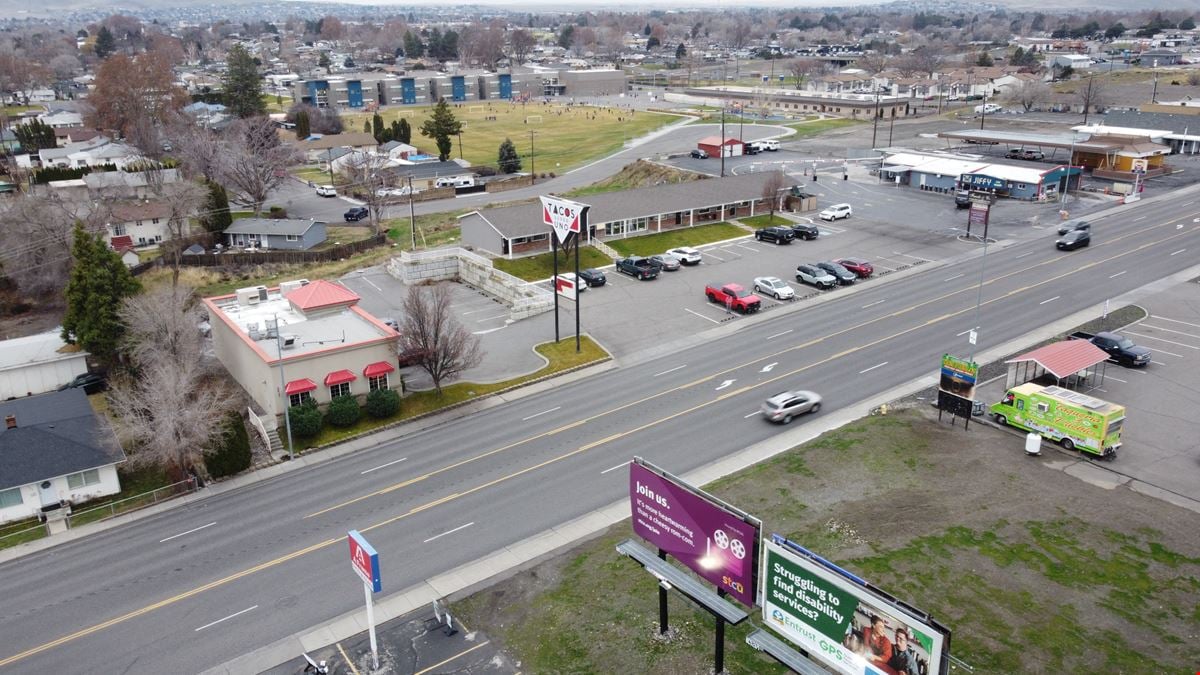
365 562
567 218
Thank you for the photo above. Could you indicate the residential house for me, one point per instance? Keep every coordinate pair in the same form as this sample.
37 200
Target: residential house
54 449
288 234
136 184
37 364
301 341
315 148
144 222
424 174
64 136
397 150
61 119
94 152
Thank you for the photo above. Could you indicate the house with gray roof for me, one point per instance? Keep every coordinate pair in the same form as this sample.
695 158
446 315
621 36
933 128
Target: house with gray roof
288 234
54 449
516 231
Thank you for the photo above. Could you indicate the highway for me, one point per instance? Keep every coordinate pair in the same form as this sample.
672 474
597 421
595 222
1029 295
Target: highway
196 586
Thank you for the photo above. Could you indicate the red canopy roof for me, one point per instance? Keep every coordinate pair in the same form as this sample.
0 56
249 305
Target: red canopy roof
377 369
338 377
321 293
299 386
1064 358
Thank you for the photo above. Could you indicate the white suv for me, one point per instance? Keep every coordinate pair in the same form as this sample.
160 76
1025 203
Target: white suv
686 254
326 191
835 212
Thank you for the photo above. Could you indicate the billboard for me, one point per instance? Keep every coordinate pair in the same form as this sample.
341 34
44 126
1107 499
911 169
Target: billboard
564 216
841 623
958 376
697 530
364 560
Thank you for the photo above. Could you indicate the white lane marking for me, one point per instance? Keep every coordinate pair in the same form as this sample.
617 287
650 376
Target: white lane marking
670 370
526 419
1170 342
872 304
767 368
382 466
1110 377
197 529
710 253
1114 276
877 365
1163 318
1178 252
1023 255
489 318
956 276
210 625
1189 203
1050 300
756 412
625 463
1139 218
700 315
748 248
1170 330
724 384
964 332
772 337
438 536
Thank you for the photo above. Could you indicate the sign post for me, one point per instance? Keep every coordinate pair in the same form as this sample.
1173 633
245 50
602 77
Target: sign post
365 562
566 218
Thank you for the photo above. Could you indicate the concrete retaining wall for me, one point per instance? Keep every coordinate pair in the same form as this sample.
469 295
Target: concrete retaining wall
455 264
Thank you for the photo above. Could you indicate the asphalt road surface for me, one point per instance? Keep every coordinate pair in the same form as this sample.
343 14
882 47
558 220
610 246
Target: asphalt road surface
198 585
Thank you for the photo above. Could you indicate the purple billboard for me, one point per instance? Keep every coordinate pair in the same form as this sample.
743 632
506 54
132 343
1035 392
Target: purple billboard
713 542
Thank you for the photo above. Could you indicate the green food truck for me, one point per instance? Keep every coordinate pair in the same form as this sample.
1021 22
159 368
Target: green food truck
1075 420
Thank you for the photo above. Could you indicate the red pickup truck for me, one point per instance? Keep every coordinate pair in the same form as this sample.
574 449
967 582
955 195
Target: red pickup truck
733 296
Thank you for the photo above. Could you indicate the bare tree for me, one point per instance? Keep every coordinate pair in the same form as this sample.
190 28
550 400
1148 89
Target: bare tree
367 171
198 149
1093 96
169 411
1029 94
775 184
446 348
19 76
35 242
184 200
131 89
255 160
803 69
520 43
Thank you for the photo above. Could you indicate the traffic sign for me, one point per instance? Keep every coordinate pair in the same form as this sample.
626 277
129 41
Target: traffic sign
364 560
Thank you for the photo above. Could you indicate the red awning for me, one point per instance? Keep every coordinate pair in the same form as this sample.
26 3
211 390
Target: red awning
377 369
338 377
1064 358
299 386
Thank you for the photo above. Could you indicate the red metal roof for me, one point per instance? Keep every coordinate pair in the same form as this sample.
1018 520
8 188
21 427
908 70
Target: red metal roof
716 140
319 294
122 242
338 377
299 386
1064 358
377 369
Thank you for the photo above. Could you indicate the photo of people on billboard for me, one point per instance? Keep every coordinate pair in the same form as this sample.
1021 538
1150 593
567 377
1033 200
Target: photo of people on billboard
887 644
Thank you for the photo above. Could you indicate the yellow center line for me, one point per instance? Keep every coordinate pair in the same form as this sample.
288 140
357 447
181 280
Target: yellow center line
328 542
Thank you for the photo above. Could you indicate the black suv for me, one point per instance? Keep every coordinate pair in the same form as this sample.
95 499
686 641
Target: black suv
1069 225
805 231
356 213
843 275
778 235
962 199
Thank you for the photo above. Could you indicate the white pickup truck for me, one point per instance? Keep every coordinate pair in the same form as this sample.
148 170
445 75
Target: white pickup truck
760 146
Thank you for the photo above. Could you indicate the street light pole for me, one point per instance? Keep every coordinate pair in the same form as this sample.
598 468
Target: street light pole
532 172
1067 183
1154 95
412 215
287 418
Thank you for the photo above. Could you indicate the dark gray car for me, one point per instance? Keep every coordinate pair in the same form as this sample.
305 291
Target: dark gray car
843 275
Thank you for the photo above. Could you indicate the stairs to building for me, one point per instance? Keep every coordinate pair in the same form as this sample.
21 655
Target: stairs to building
275 443
606 249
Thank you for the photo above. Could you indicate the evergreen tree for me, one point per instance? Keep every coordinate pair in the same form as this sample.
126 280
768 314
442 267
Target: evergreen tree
105 43
366 126
99 282
509 161
323 61
441 126
35 135
654 42
395 130
680 52
1187 24
243 85
404 134
984 60
216 216
413 47
302 125
566 36
377 127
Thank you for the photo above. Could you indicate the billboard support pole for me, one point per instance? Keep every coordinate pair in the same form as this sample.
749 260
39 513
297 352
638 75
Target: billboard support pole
577 293
664 621
719 649
554 253
371 625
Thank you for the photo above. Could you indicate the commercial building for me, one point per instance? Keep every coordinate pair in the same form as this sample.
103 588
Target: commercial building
946 174
780 101
516 231
1116 153
362 90
300 341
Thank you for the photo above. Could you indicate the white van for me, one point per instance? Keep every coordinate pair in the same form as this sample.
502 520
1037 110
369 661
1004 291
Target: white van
765 145
455 181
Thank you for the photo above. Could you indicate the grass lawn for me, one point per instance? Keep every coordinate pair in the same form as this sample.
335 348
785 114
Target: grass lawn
1033 570
565 137
138 482
561 355
433 229
637 175
277 104
30 530
541 266
653 244
817 127
20 109
311 174
765 221
238 215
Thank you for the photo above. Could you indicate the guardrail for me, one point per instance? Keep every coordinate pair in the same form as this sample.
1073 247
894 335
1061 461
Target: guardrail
133 503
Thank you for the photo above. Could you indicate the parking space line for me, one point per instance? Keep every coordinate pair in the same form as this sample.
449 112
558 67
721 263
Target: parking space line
748 248
489 330
489 318
708 253
1163 351
1170 342
915 257
1169 330
1163 318
772 337
1110 377
700 315
670 370
476 311
346 658
461 654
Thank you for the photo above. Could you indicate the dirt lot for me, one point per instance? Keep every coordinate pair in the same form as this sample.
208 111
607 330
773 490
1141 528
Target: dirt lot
1033 570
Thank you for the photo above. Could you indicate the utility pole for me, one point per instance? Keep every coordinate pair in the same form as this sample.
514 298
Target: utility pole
532 172
721 147
1154 96
412 216
460 154
1087 100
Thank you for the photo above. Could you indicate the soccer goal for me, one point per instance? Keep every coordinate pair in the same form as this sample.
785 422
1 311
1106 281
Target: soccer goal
533 119
477 109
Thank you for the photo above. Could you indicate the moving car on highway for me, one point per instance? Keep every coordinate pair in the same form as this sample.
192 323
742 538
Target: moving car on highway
1073 240
356 213
326 191
784 406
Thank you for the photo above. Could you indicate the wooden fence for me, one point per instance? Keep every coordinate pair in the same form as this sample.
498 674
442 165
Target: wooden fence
239 259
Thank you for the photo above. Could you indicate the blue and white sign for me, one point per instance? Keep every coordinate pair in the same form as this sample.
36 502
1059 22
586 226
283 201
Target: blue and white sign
365 560
981 182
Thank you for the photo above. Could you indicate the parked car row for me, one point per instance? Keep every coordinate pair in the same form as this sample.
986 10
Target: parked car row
785 234
649 267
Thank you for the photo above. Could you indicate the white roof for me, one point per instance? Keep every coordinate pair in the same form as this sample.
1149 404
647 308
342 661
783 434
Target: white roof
35 349
1015 174
1102 130
314 332
946 166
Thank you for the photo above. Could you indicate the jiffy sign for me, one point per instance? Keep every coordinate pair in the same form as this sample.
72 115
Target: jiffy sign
564 216
364 560
714 542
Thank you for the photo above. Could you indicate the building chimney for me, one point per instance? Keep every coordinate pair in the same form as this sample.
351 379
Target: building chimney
10 422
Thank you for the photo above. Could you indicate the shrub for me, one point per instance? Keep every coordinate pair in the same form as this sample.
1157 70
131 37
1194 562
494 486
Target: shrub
232 453
343 411
305 419
383 403
277 213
